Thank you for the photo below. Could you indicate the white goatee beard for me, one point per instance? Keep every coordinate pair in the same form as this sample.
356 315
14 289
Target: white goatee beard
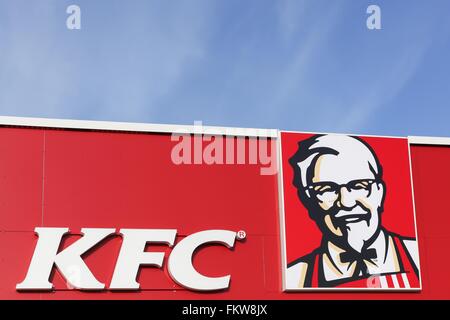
359 233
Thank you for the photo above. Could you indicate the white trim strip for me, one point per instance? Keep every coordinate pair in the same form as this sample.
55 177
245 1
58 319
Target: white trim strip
135 127
345 134
170 128
281 214
440 141
415 218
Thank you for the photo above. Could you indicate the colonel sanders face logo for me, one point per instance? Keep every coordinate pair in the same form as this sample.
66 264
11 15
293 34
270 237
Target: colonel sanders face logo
339 180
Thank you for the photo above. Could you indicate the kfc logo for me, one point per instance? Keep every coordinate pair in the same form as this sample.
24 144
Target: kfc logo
132 257
340 184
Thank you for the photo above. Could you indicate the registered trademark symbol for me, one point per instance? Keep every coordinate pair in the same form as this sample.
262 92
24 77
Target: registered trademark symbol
240 235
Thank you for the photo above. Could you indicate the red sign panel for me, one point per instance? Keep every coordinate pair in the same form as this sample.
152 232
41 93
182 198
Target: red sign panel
348 213
61 178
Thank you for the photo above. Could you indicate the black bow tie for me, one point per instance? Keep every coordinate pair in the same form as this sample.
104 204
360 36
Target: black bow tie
359 257
350 256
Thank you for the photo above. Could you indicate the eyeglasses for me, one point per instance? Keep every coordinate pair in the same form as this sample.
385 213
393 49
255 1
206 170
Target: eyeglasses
329 191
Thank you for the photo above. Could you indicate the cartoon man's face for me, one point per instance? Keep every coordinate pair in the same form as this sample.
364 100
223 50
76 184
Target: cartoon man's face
339 181
348 196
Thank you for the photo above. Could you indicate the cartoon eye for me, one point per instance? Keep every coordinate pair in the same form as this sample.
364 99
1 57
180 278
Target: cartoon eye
359 185
324 188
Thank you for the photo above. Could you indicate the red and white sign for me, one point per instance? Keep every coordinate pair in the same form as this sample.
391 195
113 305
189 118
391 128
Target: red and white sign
348 213
131 257
75 179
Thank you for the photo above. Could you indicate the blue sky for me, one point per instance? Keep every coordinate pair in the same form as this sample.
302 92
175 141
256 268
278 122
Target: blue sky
307 65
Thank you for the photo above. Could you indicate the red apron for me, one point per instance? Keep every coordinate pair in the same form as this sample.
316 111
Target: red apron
407 278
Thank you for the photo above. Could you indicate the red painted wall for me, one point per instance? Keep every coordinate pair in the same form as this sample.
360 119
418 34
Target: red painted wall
71 178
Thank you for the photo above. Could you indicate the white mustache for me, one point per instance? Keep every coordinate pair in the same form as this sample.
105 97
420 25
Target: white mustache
354 212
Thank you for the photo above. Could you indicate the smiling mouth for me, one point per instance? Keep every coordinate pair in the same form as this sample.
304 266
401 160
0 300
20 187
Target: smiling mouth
352 218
